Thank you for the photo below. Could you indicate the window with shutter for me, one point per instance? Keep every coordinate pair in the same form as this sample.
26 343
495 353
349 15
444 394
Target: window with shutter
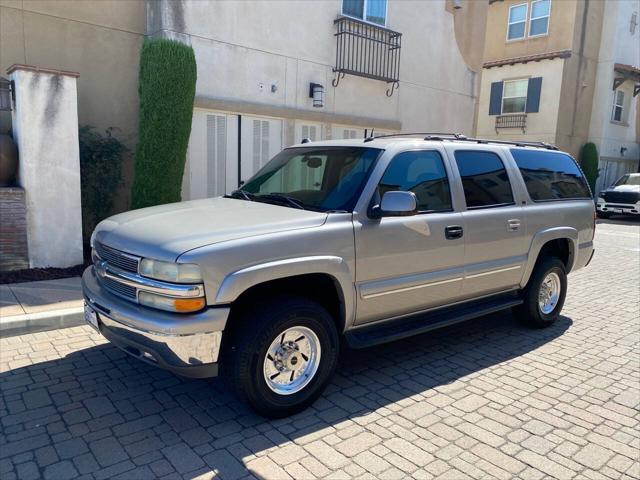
260 143
350 133
216 154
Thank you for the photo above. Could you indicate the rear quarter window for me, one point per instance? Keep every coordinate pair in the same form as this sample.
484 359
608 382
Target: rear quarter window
550 175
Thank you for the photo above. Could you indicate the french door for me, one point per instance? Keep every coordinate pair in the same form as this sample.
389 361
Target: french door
225 150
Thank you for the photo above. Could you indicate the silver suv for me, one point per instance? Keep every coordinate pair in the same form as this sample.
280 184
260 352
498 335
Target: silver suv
361 241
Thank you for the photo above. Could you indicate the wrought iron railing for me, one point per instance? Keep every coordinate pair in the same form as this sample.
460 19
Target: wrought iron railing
512 121
367 50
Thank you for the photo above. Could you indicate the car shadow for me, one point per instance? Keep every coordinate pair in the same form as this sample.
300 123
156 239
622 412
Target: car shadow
199 426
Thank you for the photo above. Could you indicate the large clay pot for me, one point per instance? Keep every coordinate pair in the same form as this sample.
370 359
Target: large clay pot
8 160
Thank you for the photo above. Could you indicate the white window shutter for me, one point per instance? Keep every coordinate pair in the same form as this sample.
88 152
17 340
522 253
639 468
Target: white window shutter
216 154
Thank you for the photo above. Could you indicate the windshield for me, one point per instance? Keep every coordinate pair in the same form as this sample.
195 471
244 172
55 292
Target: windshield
628 180
324 179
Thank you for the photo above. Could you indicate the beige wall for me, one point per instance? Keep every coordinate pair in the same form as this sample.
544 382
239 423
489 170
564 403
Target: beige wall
100 39
541 126
292 43
579 78
560 36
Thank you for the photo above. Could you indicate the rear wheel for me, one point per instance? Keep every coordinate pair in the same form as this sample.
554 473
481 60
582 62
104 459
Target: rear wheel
545 293
282 355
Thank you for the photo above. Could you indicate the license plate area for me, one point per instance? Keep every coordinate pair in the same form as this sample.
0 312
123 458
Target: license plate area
91 317
618 210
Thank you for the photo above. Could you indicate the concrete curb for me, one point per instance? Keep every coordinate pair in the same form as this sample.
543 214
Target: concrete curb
41 321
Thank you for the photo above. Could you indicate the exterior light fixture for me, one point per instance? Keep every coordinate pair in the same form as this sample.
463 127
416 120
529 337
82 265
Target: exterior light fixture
6 94
316 91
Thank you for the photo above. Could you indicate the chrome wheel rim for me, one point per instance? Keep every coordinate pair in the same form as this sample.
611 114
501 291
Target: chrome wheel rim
549 293
292 360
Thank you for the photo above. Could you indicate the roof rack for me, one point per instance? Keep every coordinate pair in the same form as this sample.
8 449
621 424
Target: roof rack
438 136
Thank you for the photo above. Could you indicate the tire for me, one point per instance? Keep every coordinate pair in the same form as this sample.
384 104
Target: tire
550 271
603 215
312 360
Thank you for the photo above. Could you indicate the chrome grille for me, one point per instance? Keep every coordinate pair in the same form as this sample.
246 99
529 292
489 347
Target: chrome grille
117 258
119 288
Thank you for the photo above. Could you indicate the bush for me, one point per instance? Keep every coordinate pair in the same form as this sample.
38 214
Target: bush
589 164
100 175
167 89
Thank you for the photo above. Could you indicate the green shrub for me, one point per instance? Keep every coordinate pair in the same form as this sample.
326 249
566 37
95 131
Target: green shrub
589 164
167 90
100 175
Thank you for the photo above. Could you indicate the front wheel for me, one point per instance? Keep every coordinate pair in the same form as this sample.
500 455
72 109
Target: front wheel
545 293
282 355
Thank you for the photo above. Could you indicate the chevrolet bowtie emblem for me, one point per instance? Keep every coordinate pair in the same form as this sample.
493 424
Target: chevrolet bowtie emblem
101 268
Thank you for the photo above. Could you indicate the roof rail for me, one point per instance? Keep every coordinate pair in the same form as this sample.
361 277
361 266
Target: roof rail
424 135
460 137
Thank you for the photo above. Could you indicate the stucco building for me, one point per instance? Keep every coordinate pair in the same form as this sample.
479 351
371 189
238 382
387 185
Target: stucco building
394 65
564 72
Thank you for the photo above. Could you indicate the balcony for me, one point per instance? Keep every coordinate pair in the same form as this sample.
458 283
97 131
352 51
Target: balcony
367 50
518 120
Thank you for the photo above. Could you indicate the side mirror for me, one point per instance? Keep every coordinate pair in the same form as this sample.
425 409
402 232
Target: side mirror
396 204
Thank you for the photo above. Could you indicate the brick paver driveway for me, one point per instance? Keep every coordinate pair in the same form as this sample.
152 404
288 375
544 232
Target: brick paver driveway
488 399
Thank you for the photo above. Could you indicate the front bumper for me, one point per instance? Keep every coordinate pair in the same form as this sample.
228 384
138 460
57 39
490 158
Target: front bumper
618 209
186 344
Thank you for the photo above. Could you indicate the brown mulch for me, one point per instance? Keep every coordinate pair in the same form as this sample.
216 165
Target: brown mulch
37 274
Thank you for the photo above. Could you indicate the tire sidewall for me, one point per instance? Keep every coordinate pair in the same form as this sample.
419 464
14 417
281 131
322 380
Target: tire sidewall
306 315
551 265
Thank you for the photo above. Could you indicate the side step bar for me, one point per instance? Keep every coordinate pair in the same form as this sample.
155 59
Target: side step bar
424 322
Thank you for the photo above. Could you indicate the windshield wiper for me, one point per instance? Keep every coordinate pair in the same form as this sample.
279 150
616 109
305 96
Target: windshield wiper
243 194
279 197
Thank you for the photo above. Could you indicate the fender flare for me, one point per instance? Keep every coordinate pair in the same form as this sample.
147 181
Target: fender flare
544 236
235 283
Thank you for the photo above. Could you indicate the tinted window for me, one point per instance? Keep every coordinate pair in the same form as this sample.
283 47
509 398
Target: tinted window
550 175
420 172
484 179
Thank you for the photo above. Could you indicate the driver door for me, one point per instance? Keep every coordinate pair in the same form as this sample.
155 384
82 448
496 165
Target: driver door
408 264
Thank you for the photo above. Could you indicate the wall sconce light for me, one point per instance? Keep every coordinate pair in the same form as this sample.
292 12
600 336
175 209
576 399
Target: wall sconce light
6 94
316 91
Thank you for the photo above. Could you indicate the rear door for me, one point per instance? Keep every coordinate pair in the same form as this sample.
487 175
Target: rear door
493 221
408 264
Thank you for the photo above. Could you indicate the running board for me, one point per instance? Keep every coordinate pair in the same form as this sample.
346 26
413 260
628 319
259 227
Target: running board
414 325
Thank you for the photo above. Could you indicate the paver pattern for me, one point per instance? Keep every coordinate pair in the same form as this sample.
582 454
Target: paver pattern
487 399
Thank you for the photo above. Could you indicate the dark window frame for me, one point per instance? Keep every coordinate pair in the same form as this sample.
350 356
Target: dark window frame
446 171
506 171
546 200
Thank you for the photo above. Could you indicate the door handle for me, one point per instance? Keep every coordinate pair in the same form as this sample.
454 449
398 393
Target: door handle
452 232
514 224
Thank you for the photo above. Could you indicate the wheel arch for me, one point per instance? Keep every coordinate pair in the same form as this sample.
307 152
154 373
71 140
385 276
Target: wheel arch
558 241
325 279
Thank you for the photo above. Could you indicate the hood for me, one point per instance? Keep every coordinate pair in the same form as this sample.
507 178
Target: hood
165 232
624 188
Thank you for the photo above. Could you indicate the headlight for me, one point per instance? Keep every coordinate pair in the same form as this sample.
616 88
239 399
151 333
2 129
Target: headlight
93 238
171 304
169 271
600 200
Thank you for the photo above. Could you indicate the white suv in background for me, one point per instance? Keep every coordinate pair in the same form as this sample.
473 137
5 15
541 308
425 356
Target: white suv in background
621 198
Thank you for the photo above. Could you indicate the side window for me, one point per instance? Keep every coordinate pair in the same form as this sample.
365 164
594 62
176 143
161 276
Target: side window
539 22
420 172
484 178
550 175
517 21
374 11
